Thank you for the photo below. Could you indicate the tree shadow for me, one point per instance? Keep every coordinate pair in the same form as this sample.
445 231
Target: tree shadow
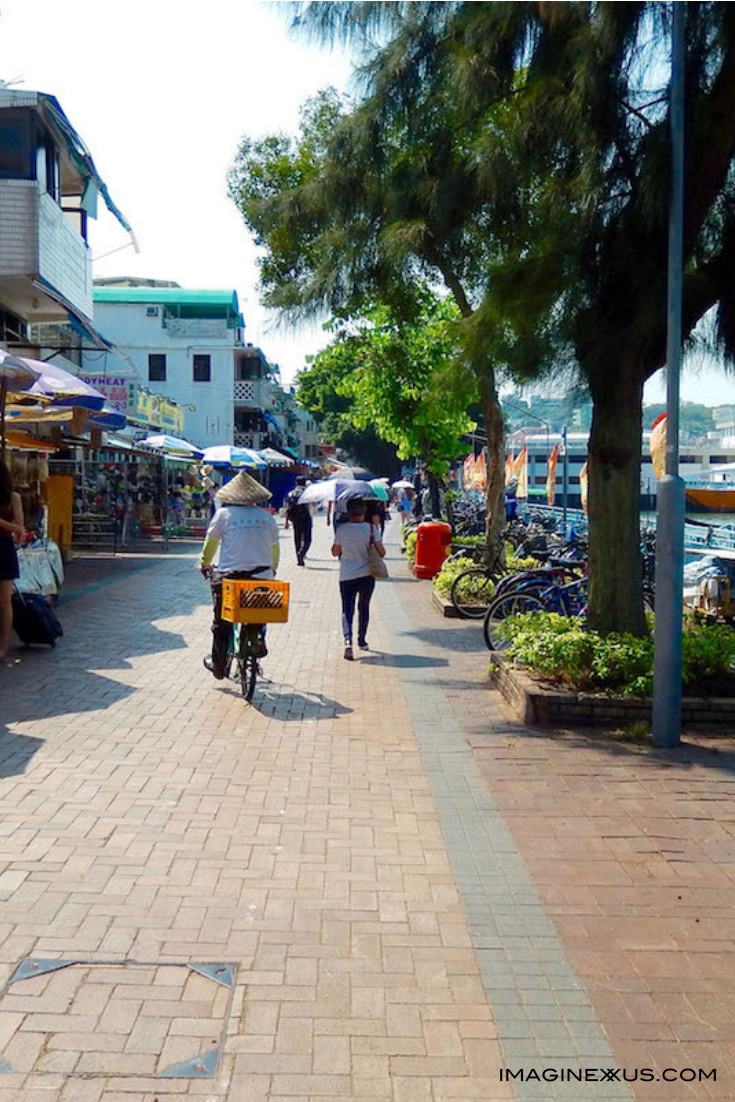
403 661
457 639
623 744
16 751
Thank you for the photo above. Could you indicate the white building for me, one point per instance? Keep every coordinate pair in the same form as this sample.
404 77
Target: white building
187 345
178 342
49 188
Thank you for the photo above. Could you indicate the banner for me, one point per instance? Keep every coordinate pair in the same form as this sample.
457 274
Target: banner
521 472
551 476
509 467
583 484
658 446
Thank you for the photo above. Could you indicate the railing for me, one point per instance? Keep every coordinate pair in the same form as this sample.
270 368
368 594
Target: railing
696 536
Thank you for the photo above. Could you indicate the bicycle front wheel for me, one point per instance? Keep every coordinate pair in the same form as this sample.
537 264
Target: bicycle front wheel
508 604
471 593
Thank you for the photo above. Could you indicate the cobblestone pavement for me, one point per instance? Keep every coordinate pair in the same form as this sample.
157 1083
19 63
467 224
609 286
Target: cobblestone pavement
412 889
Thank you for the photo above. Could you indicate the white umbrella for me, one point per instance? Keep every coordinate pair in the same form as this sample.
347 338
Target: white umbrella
403 484
229 456
329 489
172 445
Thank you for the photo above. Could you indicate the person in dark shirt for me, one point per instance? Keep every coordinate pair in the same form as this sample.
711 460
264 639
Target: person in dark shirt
300 517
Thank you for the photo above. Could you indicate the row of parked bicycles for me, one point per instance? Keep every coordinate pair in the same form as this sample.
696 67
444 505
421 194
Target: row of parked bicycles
556 582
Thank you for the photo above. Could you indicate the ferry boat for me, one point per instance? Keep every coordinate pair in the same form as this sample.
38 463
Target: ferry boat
712 490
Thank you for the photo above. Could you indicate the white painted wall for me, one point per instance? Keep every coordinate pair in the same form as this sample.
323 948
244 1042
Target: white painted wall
128 326
36 239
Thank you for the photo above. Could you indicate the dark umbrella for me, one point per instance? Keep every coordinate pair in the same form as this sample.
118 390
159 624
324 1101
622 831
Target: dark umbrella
351 474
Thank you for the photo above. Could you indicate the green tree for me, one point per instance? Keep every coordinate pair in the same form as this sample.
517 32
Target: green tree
385 205
318 392
562 110
399 375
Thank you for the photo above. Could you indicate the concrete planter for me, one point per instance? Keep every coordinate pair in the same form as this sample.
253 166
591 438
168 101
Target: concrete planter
445 606
534 704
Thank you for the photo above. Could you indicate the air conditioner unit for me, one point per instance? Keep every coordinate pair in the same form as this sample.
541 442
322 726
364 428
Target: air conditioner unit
151 311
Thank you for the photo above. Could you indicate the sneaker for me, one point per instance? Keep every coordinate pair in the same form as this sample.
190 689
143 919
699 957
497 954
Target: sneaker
349 655
209 665
363 645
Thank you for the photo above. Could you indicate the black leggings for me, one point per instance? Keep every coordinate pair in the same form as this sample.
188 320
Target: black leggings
302 537
361 590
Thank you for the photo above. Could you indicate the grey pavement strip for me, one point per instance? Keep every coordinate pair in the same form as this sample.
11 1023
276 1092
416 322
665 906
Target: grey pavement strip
540 1007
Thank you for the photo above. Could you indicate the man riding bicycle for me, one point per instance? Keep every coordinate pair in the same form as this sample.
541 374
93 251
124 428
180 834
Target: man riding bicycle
247 538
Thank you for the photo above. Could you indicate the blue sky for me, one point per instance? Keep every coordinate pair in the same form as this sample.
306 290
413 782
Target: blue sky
162 91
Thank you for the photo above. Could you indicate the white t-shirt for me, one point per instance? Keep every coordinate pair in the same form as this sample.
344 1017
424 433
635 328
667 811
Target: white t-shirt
354 539
247 534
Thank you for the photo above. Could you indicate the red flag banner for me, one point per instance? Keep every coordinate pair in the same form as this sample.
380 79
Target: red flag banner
583 486
551 476
521 472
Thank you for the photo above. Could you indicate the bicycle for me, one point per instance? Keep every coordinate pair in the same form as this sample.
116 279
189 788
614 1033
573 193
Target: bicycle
248 604
245 649
565 600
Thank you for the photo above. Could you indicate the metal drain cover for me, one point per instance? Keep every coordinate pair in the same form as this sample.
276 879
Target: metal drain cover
122 1018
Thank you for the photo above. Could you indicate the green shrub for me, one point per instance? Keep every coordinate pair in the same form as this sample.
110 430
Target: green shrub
409 549
563 651
450 570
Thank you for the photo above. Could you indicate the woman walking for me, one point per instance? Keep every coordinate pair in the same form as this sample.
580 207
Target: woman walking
352 548
11 528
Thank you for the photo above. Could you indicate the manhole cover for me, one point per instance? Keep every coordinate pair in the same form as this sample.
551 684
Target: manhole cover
121 1018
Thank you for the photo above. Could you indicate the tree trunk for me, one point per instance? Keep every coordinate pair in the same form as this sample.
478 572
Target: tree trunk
615 586
436 507
495 489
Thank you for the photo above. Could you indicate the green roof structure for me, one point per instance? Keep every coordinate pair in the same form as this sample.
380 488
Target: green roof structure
179 301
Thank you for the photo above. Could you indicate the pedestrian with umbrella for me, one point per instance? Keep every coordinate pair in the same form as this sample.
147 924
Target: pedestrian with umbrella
299 515
353 545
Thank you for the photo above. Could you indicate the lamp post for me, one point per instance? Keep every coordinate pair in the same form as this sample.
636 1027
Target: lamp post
670 493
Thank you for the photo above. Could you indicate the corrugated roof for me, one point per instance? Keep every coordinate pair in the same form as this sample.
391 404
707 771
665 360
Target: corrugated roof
169 296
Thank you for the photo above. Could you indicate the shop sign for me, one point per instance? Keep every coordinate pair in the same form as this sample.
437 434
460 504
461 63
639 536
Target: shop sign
156 412
119 390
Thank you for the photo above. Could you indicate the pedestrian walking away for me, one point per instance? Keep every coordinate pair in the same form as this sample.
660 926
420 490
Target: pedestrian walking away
352 548
300 517
11 529
247 538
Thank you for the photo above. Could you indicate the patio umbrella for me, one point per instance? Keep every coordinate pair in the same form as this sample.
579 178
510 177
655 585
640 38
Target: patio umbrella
275 459
172 445
225 455
352 474
332 489
402 484
381 490
16 376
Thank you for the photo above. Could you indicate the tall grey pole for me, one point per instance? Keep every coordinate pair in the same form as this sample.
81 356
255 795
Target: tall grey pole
670 491
565 470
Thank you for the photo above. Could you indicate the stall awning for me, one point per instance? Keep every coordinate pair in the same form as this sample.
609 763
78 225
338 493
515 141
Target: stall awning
26 442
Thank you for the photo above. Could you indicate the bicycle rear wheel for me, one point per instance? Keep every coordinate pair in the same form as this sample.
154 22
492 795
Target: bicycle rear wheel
471 593
247 670
508 604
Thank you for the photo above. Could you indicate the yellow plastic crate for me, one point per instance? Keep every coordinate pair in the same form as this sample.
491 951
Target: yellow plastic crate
254 601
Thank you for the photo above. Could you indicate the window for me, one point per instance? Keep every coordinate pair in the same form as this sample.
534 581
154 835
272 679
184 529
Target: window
718 458
151 311
202 369
15 151
157 367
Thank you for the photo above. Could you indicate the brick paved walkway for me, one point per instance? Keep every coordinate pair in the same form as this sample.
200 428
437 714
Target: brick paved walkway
399 927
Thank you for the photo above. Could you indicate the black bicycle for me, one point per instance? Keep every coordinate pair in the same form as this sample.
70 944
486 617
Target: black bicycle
245 650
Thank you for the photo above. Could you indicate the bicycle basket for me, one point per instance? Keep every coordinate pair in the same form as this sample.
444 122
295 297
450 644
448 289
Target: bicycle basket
254 601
